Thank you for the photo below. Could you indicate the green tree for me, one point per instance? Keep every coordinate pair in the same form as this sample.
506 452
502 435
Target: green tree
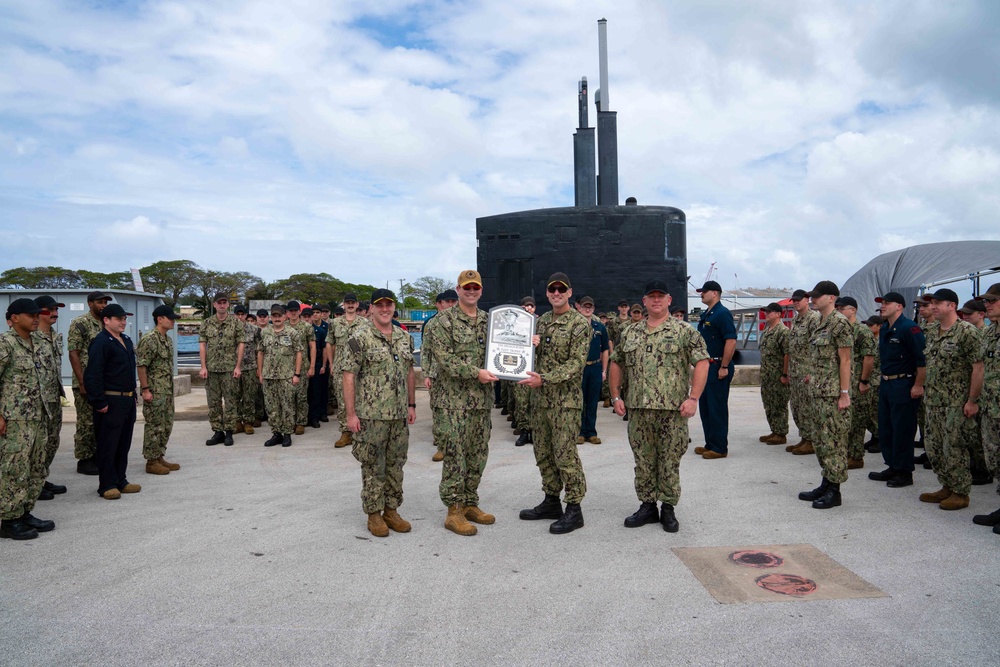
317 288
425 290
174 279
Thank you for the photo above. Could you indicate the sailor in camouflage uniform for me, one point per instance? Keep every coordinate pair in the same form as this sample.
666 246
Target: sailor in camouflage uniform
154 360
443 302
828 387
465 397
82 332
340 332
562 339
657 357
51 342
23 417
279 370
774 383
220 345
951 395
248 386
379 400
798 368
523 394
293 310
864 393
989 402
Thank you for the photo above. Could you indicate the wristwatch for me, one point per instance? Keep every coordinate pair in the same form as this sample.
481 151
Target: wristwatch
615 399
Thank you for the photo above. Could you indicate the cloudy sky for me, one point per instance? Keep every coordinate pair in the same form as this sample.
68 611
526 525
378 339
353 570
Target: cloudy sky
363 138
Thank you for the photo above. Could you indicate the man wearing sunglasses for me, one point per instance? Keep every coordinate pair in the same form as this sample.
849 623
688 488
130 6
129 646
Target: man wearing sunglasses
562 339
464 398
220 347
82 331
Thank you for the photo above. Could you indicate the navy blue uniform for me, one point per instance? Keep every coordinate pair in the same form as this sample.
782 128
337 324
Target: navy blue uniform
716 327
901 352
592 379
319 383
110 382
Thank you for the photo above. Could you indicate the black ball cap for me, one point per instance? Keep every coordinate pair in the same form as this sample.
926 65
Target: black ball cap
23 306
114 310
240 308
874 320
528 301
98 296
292 305
48 302
622 302
261 312
847 301
220 296
307 312
382 294
825 288
945 294
558 277
277 309
449 295
350 296
799 294
773 308
657 286
710 286
165 311
891 297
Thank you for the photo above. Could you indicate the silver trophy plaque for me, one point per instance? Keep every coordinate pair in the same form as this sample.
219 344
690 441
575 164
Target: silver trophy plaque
509 352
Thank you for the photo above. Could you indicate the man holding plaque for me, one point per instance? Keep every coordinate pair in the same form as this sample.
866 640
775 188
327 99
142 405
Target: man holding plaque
562 339
465 397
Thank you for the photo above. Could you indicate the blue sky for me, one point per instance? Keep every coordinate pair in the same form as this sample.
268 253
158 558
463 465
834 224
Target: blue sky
801 138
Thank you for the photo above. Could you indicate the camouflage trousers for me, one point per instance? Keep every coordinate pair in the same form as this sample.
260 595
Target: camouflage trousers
522 407
380 447
53 427
511 407
864 417
658 439
247 388
22 467
800 408
437 422
991 446
949 433
222 400
159 417
84 439
554 431
774 396
259 410
338 386
279 399
829 437
977 454
465 441
301 398
605 389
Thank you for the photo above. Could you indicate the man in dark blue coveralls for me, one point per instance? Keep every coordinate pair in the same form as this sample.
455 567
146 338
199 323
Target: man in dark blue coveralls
719 331
593 373
901 352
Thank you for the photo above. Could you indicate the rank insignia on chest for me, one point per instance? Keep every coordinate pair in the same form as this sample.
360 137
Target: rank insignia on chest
649 348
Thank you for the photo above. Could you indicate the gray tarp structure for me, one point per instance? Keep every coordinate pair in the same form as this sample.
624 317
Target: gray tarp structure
906 270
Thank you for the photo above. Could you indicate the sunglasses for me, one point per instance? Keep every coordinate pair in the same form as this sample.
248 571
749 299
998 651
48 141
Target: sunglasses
472 287
562 289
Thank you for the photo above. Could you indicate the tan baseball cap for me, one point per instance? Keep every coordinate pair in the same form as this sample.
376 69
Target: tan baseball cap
468 277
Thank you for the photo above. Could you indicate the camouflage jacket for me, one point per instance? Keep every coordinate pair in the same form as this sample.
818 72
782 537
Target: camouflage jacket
21 378
865 345
459 343
989 402
614 330
251 342
279 349
222 340
155 352
82 332
657 364
950 354
381 368
826 337
341 331
427 350
308 335
773 347
798 343
560 358
51 349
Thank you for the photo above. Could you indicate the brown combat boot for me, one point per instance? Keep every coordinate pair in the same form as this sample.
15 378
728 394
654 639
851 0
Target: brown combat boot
457 523
805 448
248 428
594 440
956 501
256 423
345 439
765 438
376 525
700 450
131 488
607 402
476 515
854 464
168 465
239 427
438 456
396 522
776 440
300 430
580 440
112 494
154 467
790 448
937 496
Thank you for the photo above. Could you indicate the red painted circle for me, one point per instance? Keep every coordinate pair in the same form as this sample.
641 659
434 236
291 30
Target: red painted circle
787 584
758 559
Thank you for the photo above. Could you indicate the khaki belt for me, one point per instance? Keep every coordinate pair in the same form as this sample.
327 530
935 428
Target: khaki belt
591 363
126 394
896 377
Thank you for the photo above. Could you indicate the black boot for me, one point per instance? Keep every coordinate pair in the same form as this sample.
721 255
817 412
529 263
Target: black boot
275 439
522 440
872 446
54 488
645 514
829 499
550 508
41 525
504 411
217 439
87 467
227 438
571 519
980 477
531 438
815 493
45 494
883 476
991 519
920 459
313 423
286 440
667 518
15 529
900 479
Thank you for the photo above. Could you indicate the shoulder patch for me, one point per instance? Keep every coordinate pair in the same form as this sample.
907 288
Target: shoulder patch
915 330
